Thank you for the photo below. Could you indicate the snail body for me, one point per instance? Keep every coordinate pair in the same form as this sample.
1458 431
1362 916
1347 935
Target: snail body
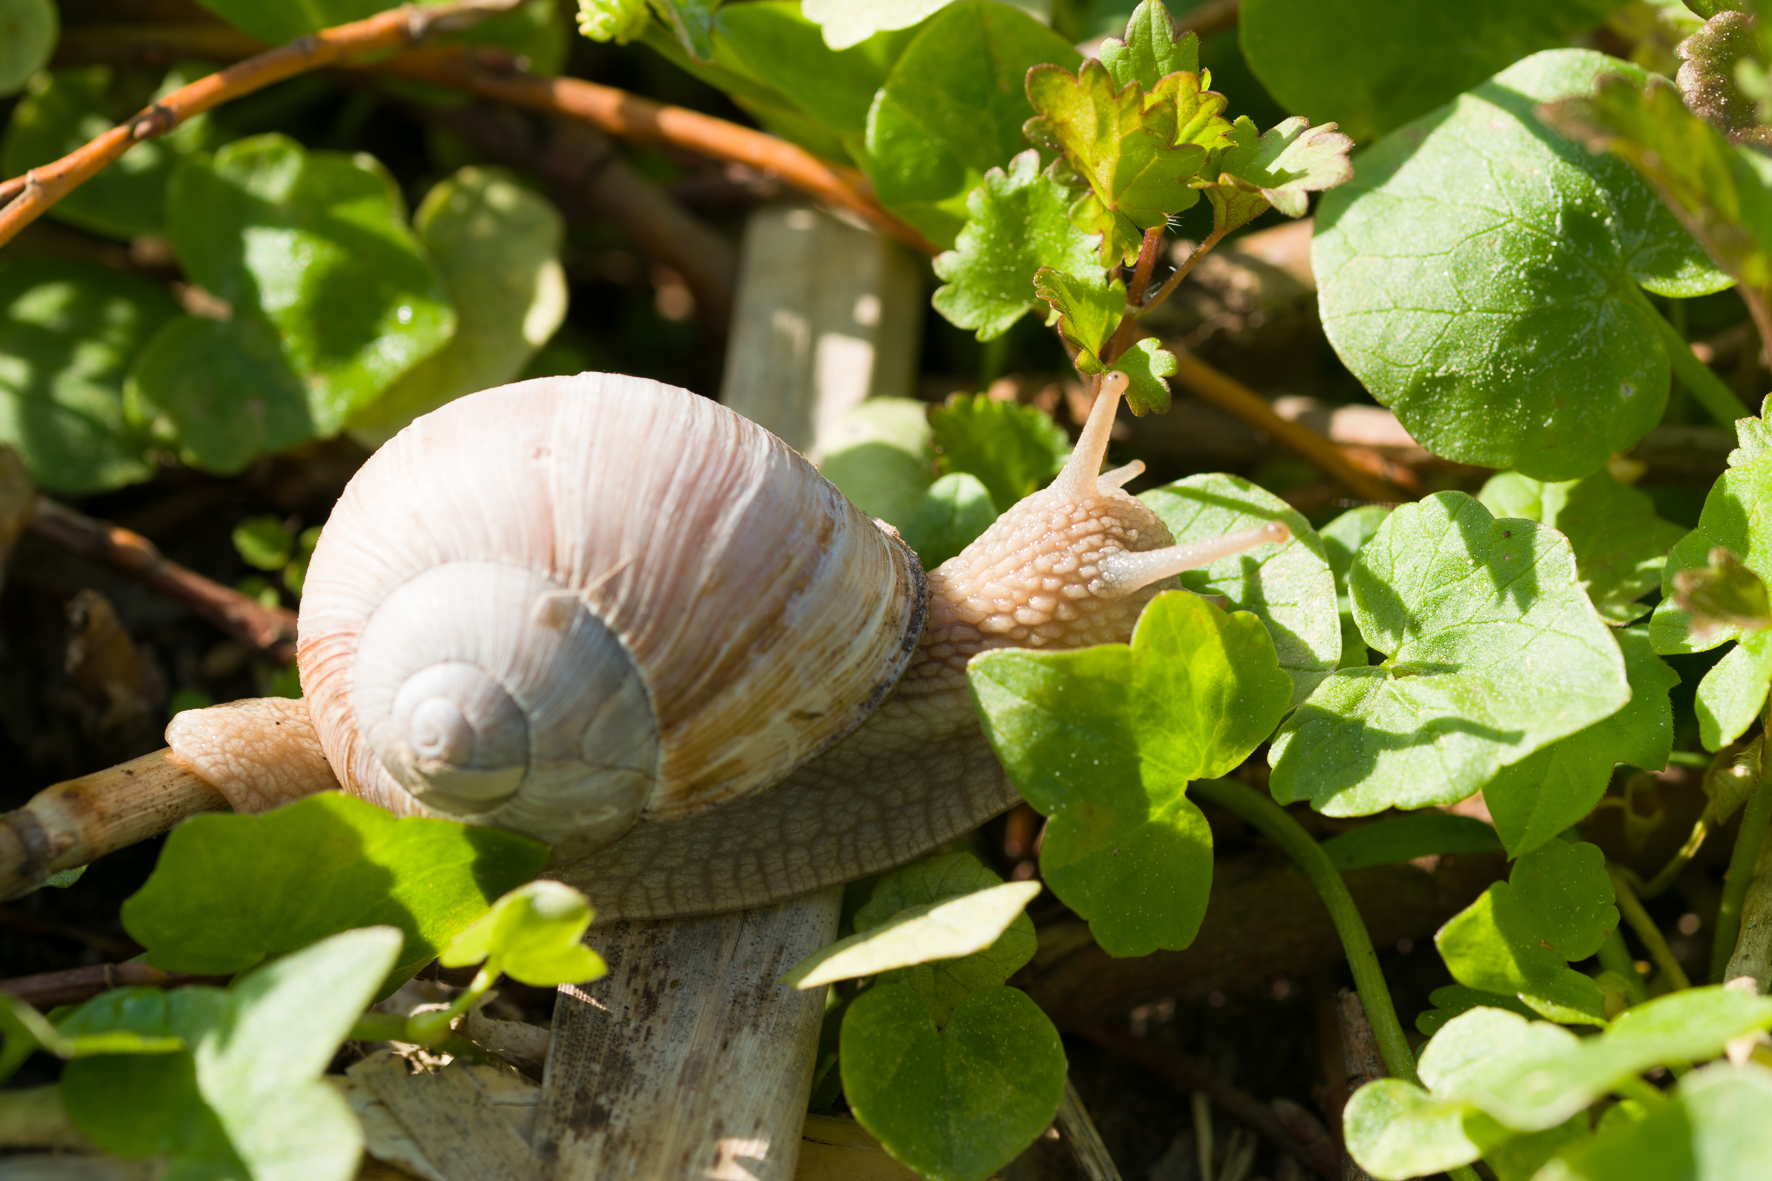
624 620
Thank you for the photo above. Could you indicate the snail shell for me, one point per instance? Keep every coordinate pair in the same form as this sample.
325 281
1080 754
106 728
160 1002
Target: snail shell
569 604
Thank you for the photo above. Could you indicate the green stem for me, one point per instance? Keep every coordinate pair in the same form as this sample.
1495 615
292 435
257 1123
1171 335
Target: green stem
1375 997
1616 958
1710 390
1665 877
1648 932
1741 870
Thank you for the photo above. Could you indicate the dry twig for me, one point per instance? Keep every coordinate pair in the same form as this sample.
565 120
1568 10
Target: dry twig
30 195
73 985
270 629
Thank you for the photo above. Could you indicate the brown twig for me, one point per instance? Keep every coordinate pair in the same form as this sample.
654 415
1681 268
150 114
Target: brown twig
1231 395
73 985
29 196
270 629
1188 1076
493 75
1361 1061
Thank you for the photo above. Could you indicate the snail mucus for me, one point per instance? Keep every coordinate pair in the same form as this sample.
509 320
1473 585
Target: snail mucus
622 619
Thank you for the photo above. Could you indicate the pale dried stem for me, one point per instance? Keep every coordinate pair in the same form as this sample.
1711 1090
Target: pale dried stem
1080 1134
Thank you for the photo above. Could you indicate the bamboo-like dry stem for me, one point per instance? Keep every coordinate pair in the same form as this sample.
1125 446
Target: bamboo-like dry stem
1231 395
73 985
70 823
30 196
270 629
1079 1133
495 76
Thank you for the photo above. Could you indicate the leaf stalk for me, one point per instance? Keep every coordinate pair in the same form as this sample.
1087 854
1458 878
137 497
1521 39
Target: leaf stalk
1716 397
1647 932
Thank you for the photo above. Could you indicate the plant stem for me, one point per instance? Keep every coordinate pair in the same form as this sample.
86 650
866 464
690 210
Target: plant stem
1181 272
1616 957
1741 870
1695 375
1666 875
1375 997
1648 932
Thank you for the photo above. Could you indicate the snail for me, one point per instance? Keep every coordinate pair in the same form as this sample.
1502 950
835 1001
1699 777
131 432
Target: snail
622 619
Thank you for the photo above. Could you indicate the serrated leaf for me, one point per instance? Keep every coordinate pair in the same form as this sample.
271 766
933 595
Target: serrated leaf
1014 450
28 32
64 108
880 454
1104 741
1492 653
1147 365
1086 308
1278 168
69 331
1130 147
230 890
1620 543
1478 275
496 246
1376 65
1018 223
1721 192
958 1104
247 1098
1731 693
850 22
1414 834
1151 49
532 935
1287 587
951 515
1716 1126
952 109
1540 796
691 22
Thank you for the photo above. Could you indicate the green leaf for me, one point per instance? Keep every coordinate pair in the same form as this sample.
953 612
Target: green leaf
951 515
1723 593
1014 450
1717 1126
1556 906
1395 1130
1540 796
952 109
787 52
917 935
247 1098
496 246
28 32
532 935
1342 539
1721 192
311 251
1730 696
850 22
1086 308
264 542
1450 1000
1620 544
1018 224
64 108
1287 587
1479 277
1278 168
1151 49
26 1030
1147 365
69 331
1493 652
1135 151
1403 838
958 1104
232 890
1376 65
934 880
880 455
691 22
1105 740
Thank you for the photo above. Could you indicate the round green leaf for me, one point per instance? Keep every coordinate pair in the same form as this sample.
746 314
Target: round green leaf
958 1104
69 331
1480 275
28 29
952 109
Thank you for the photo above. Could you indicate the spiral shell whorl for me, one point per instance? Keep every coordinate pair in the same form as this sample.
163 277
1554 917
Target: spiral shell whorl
573 603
